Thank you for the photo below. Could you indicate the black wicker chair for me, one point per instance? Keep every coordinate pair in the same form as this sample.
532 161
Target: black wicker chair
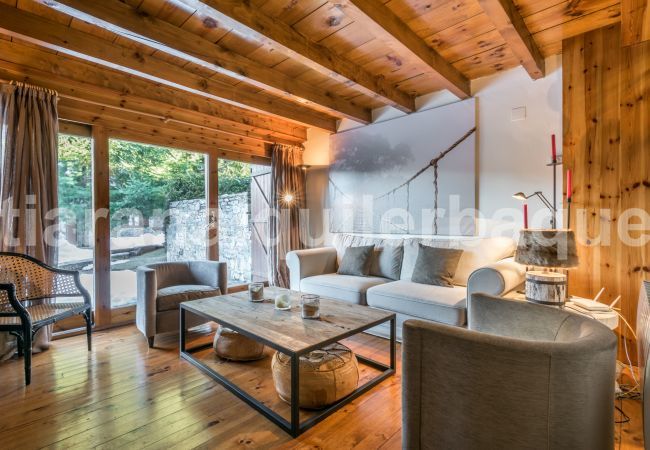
28 293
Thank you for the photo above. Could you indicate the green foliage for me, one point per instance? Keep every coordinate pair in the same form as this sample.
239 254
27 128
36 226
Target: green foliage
234 177
75 175
142 177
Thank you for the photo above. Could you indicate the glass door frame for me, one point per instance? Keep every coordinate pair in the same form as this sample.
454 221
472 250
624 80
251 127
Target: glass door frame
105 316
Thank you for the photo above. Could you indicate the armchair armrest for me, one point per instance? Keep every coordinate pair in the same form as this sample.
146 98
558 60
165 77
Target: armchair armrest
310 262
8 296
145 311
211 273
496 279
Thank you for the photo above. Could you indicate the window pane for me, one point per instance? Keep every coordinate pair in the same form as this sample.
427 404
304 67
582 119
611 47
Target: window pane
75 190
243 220
158 211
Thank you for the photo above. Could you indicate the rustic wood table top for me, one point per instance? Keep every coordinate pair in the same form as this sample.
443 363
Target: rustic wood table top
286 330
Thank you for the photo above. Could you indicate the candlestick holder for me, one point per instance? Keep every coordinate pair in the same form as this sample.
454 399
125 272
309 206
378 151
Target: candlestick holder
554 163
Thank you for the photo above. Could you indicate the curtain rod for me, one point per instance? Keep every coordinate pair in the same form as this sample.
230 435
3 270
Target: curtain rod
22 84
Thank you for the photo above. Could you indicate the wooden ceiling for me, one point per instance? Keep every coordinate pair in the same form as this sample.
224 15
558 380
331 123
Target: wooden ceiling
243 74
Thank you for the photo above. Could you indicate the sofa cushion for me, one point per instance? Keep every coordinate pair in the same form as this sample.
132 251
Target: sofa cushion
356 261
343 241
171 297
477 252
435 303
387 261
436 266
348 288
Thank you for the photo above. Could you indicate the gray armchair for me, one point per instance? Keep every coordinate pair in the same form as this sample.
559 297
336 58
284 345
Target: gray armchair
522 376
163 287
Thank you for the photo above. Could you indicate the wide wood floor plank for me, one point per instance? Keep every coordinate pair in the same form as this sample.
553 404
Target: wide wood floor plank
125 395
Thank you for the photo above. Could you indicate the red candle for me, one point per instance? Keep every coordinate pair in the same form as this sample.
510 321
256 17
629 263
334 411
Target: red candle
568 184
525 215
553 150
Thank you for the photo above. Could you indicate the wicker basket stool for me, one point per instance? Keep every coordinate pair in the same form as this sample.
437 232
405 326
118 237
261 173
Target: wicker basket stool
233 346
326 376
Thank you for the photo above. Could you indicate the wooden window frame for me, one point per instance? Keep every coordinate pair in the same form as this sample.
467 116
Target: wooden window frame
105 316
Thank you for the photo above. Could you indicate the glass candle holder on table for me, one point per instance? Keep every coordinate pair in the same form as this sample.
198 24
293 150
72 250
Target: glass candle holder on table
310 305
256 292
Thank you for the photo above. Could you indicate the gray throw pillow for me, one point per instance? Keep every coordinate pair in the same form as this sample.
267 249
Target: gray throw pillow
356 261
387 261
436 266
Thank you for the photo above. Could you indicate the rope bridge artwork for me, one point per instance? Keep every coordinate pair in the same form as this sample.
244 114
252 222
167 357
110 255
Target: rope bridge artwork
364 166
433 163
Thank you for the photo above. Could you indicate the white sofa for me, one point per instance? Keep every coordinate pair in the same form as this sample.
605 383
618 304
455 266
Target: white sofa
486 265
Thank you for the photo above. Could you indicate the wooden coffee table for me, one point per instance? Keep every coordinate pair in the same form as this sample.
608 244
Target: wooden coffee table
287 332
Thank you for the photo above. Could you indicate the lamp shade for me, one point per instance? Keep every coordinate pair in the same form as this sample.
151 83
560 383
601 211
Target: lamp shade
547 248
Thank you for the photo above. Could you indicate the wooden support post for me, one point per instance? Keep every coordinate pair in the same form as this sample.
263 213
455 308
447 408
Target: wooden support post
102 227
212 193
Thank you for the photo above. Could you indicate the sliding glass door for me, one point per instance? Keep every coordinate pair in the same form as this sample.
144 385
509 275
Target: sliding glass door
158 211
75 190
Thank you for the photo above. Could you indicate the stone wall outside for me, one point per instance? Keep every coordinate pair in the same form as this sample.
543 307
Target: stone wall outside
187 230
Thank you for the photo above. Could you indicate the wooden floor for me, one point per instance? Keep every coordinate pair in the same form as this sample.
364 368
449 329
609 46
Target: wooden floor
125 395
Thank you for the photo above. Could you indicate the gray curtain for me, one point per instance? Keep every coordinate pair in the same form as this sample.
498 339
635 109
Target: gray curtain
287 200
28 167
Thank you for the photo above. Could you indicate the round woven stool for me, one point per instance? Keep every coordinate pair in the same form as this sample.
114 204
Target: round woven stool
233 346
326 375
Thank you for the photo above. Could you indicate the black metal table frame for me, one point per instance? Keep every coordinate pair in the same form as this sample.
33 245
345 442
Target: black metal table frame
294 427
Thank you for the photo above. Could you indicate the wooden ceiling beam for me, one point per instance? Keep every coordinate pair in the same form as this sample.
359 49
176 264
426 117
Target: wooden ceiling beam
77 79
177 141
88 113
145 134
635 21
386 26
250 21
512 28
128 22
55 36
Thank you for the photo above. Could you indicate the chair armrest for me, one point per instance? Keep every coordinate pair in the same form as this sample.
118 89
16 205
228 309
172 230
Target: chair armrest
82 290
145 311
497 279
10 296
211 273
310 262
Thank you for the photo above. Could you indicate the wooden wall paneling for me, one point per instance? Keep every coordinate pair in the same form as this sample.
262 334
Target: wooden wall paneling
102 227
606 143
212 188
635 21
87 46
591 152
635 169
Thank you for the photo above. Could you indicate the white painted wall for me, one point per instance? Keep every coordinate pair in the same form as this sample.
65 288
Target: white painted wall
512 153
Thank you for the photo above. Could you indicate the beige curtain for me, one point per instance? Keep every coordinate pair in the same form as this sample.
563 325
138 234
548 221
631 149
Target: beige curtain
287 200
28 167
